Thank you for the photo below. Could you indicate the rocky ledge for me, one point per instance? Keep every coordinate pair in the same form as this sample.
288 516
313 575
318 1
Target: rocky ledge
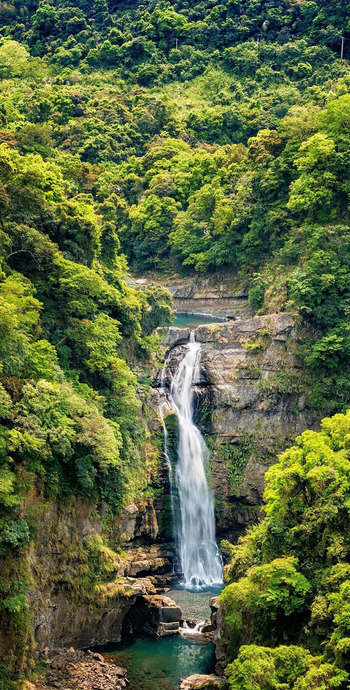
156 615
221 294
203 682
71 668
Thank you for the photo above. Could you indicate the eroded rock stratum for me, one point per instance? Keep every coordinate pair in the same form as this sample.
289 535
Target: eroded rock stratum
84 591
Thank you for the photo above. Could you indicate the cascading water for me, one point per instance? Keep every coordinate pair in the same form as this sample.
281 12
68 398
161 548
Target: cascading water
199 556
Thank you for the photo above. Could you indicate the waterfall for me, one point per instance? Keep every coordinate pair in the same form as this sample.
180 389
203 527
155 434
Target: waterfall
199 556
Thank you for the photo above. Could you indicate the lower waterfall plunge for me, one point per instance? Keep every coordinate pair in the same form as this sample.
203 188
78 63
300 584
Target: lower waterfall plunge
198 552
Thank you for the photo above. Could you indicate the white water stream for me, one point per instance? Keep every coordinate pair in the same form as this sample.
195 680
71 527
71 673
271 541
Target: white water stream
200 559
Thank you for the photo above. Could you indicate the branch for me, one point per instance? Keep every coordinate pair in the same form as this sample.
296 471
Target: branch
23 251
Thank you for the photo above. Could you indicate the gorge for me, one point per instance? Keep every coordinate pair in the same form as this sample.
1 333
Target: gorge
210 378
218 383
174 345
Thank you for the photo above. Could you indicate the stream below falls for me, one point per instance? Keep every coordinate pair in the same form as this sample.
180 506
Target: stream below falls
160 663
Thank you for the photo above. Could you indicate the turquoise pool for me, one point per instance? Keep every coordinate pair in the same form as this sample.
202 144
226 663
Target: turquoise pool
158 664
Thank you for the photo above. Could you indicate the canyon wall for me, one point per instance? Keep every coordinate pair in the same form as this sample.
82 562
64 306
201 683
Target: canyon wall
83 588
247 406
87 571
221 294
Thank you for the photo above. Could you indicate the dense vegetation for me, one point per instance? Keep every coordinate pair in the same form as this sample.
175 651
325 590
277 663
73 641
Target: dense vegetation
217 135
177 136
70 327
287 606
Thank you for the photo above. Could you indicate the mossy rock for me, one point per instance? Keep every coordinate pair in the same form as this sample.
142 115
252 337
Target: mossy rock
235 457
171 423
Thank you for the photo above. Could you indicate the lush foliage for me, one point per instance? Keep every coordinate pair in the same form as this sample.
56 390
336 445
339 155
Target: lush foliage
69 399
177 136
70 406
287 667
196 138
290 574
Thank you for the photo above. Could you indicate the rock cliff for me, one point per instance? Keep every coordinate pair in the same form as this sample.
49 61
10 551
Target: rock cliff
247 405
89 569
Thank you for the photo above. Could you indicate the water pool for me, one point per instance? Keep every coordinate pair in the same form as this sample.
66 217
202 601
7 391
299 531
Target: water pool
158 664
195 604
187 320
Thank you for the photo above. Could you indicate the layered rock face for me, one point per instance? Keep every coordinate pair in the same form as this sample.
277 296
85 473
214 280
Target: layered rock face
248 406
70 558
222 294
207 295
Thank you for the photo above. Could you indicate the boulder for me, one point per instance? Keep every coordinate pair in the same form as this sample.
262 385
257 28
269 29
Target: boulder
156 615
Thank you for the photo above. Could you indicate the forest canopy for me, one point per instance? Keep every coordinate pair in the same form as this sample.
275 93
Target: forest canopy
286 604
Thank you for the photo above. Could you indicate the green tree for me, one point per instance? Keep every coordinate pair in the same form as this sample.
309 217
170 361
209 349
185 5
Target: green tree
151 223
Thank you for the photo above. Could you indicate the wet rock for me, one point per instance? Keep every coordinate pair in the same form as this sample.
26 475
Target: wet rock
207 628
166 629
189 623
